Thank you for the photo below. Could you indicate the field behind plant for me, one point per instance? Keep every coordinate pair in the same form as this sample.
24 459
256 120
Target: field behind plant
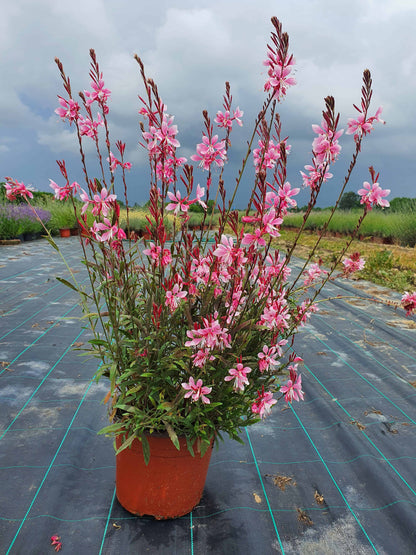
397 228
386 239
392 265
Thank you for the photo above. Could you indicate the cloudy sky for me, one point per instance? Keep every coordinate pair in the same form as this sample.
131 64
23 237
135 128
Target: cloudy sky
190 49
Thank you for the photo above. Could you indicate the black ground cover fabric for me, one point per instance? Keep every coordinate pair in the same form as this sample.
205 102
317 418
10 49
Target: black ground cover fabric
334 474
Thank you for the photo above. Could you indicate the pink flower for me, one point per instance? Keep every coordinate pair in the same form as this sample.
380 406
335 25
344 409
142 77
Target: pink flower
362 126
239 375
15 189
174 297
114 163
275 314
212 335
271 223
325 146
90 127
200 193
316 175
409 302
235 304
162 143
110 231
267 358
305 311
372 195
210 151
225 119
263 404
255 238
200 270
312 274
197 390
225 250
293 388
154 251
166 258
237 115
269 157
99 93
275 266
62 193
167 132
353 264
178 204
359 126
69 109
102 202
279 73
285 194
201 357
55 541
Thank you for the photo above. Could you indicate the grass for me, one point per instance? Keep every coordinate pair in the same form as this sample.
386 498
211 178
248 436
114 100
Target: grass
395 227
392 266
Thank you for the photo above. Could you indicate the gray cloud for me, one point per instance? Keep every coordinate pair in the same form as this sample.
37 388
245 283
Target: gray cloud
191 51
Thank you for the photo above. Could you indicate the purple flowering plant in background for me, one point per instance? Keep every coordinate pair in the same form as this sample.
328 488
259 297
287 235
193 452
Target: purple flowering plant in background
17 219
196 333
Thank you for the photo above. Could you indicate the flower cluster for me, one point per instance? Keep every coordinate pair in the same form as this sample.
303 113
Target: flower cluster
373 195
14 189
363 125
197 333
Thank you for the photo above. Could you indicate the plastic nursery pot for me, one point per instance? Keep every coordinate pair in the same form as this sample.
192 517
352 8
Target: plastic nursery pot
65 232
170 486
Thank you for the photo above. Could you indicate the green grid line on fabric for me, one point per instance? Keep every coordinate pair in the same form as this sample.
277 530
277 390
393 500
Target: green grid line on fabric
367 330
38 339
362 377
47 472
35 313
361 431
264 491
335 483
35 391
107 521
216 513
368 354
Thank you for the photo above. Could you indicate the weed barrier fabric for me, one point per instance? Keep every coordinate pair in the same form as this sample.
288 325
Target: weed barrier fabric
334 474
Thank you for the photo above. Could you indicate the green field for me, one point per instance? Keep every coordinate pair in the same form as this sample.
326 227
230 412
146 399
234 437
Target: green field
397 228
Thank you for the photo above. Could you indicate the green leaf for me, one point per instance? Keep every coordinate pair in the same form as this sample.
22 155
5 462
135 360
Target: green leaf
146 450
172 434
98 342
67 283
205 443
126 444
110 429
52 242
190 446
89 315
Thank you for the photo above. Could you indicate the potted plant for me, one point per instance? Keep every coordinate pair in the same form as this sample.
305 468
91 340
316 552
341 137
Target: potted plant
63 218
195 337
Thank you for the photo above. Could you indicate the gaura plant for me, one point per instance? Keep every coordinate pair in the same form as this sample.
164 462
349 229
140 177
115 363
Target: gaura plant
196 333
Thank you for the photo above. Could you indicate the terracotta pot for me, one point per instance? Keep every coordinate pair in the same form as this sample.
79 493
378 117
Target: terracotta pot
65 232
74 231
170 486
